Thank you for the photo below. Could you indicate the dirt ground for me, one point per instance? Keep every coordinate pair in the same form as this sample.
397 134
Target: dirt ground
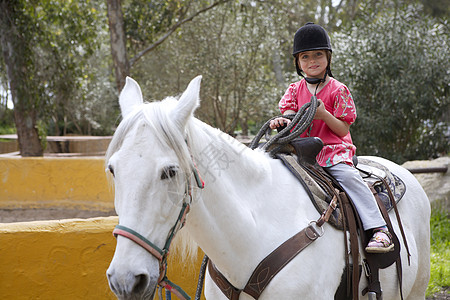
25 215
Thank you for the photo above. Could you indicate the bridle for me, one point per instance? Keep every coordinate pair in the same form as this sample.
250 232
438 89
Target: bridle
162 254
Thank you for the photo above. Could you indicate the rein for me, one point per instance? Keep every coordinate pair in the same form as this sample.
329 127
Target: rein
162 254
299 123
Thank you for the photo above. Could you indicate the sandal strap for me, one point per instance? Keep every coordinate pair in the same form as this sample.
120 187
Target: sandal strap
386 232
380 239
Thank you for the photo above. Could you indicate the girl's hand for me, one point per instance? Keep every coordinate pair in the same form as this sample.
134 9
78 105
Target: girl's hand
321 112
339 127
275 123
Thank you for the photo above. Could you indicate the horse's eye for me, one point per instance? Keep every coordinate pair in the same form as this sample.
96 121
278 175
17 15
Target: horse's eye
169 172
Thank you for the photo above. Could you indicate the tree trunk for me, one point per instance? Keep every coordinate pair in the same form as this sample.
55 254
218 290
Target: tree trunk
277 67
244 126
118 42
17 56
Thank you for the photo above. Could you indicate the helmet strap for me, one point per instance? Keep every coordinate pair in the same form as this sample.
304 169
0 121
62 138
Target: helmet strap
316 80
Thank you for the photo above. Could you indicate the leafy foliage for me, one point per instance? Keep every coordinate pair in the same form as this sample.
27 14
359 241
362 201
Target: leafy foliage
66 40
391 56
6 121
74 40
397 70
144 20
238 86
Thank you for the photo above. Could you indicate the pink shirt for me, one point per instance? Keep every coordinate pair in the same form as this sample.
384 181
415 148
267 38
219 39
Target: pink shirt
339 102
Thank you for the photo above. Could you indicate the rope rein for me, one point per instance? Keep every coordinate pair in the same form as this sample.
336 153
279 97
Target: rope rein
299 123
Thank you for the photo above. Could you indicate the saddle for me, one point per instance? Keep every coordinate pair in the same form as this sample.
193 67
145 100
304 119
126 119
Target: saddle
387 188
315 179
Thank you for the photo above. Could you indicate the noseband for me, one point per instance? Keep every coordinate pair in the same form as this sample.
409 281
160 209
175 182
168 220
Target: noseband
162 254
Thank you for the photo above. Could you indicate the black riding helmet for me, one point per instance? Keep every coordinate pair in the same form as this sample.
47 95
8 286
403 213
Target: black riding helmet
311 37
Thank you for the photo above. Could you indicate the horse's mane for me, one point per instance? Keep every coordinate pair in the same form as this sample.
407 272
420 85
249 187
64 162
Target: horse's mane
158 116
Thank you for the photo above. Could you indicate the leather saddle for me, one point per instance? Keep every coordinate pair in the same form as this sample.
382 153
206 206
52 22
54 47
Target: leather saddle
387 188
373 173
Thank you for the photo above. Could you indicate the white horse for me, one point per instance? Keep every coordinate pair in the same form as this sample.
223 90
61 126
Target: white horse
249 206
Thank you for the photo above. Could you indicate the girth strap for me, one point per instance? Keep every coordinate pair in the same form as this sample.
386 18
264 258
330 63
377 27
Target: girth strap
268 267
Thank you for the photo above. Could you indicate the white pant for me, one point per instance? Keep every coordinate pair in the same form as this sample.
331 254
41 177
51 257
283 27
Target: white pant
360 194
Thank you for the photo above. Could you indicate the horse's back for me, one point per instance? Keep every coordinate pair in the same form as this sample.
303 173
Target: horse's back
415 211
415 201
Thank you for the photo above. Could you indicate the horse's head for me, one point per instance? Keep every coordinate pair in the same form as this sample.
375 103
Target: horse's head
149 159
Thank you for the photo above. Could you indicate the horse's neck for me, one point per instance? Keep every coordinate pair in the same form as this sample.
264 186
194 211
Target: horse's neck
223 160
250 204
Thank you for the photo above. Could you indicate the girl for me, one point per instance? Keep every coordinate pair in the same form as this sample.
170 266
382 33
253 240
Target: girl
335 113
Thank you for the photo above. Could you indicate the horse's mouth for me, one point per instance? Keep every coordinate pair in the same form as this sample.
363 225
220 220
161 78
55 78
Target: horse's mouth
148 295
152 294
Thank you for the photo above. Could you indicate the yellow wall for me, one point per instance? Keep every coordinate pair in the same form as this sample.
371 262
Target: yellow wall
67 259
64 259
55 182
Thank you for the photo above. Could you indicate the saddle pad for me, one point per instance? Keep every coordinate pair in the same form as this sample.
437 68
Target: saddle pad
396 185
319 197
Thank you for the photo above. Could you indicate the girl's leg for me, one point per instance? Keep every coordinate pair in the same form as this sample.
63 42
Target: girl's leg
366 205
360 194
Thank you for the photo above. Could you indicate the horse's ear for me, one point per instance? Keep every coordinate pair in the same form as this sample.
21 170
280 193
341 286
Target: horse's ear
188 102
130 97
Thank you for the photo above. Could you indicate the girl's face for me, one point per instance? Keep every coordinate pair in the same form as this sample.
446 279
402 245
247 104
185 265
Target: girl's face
314 63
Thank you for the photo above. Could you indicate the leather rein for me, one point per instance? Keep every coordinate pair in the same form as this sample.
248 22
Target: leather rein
162 254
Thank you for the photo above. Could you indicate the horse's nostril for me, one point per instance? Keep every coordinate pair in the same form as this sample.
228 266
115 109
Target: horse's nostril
140 283
109 275
128 284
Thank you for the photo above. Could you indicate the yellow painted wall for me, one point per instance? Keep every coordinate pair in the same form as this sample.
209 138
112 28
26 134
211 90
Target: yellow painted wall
55 182
67 259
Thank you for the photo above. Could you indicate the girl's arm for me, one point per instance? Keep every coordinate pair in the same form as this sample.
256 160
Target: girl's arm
339 127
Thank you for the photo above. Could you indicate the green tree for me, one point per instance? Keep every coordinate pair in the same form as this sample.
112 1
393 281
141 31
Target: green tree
74 67
55 67
137 27
243 50
397 68
16 37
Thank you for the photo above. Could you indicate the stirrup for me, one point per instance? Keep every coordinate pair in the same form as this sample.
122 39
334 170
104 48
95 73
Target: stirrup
379 243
